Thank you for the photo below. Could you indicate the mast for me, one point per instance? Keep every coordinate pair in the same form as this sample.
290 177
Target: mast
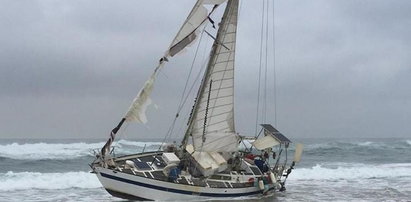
218 99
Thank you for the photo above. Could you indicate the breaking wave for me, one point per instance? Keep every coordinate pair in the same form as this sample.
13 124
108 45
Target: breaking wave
37 151
367 143
352 172
62 151
138 144
341 145
34 180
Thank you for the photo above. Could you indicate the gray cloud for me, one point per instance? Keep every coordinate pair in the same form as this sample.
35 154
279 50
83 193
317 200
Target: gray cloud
71 68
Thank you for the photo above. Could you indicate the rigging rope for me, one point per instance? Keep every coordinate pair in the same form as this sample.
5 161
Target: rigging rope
274 68
263 89
181 103
259 70
187 115
266 65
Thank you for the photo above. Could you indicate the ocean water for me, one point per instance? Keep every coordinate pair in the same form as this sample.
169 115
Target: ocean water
331 169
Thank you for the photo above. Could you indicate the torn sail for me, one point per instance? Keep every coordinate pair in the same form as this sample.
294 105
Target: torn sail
189 30
186 35
137 110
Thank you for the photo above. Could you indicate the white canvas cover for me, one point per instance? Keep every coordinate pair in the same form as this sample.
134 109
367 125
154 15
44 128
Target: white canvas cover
265 142
219 160
170 158
217 103
209 162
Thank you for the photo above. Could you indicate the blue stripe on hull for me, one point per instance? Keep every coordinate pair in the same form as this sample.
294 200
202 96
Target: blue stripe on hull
177 190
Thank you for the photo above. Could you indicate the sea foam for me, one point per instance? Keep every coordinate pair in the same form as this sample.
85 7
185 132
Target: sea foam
37 151
352 171
351 145
138 144
35 180
367 143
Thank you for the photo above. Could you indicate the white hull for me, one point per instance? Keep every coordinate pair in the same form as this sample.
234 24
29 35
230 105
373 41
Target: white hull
149 189
210 164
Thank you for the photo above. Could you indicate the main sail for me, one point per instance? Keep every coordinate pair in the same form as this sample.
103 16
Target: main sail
212 122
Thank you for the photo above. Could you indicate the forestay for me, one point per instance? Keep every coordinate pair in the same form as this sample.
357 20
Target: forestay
212 122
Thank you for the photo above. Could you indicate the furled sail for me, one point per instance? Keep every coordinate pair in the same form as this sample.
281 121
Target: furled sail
212 121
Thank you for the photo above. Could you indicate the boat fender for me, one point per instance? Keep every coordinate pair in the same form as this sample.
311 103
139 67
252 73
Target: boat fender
272 177
261 184
278 185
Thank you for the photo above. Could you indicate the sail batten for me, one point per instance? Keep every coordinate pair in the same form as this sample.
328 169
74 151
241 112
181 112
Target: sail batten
215 104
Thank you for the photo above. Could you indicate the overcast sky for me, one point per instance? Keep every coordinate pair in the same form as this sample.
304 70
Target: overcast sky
70 68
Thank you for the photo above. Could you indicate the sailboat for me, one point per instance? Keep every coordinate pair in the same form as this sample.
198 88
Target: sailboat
209 163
